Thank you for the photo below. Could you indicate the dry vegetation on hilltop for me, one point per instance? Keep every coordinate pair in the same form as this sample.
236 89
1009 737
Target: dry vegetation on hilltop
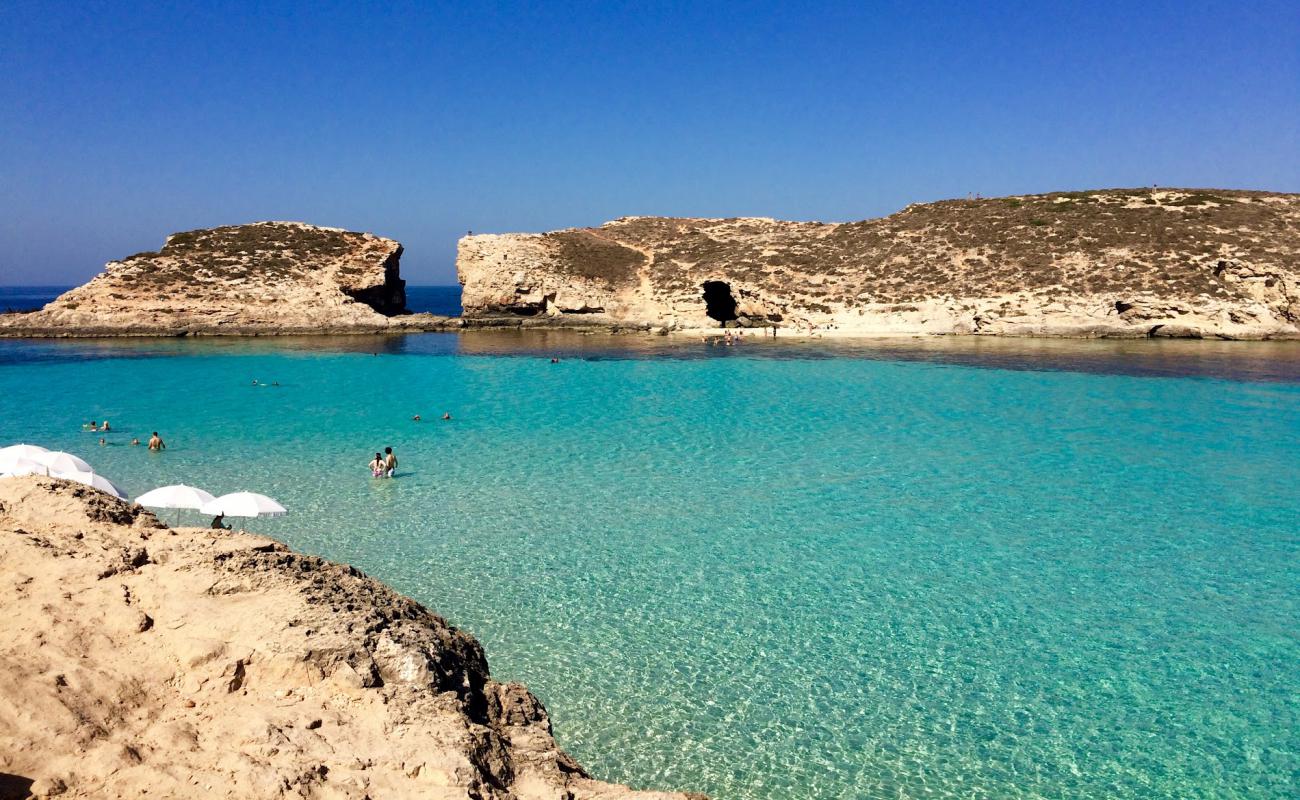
1222 257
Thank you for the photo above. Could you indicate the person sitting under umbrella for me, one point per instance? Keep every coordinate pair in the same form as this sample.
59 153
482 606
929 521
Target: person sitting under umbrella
218 523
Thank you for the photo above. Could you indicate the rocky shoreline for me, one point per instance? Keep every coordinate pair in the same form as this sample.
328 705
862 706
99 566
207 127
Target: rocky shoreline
139 659
1116 263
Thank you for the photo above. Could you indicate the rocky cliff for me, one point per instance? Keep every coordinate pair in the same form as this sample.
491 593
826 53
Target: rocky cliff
138 660
1129 263
261 278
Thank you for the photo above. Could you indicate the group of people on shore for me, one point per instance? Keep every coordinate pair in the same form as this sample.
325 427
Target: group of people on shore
728 339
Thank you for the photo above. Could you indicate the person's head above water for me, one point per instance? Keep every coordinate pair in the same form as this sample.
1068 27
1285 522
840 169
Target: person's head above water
378 457
387 450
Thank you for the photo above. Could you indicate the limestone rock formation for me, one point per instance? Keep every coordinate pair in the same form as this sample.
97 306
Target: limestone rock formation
1129 263
142 661
261 278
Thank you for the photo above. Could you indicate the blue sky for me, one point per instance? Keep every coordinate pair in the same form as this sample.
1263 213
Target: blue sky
120 123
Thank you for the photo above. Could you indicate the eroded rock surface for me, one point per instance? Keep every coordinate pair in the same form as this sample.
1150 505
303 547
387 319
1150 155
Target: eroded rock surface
1133 263
261 278
137 660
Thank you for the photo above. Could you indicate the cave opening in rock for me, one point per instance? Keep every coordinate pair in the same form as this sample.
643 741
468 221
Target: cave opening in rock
718 302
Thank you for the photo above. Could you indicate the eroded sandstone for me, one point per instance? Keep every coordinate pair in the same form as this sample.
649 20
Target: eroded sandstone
261 278
1126 263
138 660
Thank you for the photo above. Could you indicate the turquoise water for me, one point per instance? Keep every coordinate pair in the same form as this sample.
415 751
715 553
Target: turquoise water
769 573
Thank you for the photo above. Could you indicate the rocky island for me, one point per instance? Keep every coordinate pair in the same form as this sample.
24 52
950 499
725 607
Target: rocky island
1111 263
255 279
140 660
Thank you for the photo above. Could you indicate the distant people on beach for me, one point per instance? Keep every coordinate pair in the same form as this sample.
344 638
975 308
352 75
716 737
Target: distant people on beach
156 443
218 523
377 466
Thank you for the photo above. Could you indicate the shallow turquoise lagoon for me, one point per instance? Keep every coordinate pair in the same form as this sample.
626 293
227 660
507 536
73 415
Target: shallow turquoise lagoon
775 573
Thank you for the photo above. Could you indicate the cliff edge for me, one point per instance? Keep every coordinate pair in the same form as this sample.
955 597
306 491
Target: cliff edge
260 278
138 660
1123 263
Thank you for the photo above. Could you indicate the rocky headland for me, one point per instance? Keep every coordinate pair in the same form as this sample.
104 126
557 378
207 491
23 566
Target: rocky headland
1111 263
138 660
257 279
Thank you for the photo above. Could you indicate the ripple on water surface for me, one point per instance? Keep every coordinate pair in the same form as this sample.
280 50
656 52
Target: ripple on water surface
780 574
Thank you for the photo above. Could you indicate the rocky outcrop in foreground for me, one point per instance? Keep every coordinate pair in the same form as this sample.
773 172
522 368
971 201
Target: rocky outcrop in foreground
262 278
138 660
1122 263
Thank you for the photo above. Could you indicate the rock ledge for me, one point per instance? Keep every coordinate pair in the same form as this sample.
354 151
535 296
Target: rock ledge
136 659
1128 263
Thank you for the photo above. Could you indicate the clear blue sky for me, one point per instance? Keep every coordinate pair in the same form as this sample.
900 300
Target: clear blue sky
120 123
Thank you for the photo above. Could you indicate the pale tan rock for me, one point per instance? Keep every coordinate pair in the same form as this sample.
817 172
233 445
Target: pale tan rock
261 278
265 673
1110 263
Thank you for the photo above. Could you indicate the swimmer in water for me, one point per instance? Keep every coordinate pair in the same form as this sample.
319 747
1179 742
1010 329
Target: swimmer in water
447 415
135 442
102 442
105 428
377 466
156 442
390 463
416 418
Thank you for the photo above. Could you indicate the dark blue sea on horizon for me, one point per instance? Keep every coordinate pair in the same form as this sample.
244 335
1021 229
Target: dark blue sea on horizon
443 300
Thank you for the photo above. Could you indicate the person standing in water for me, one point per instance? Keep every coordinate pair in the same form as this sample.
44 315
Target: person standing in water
156 442
377 466
390 463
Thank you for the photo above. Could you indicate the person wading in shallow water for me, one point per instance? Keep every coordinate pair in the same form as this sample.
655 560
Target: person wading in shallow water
377 466
390 463
156 442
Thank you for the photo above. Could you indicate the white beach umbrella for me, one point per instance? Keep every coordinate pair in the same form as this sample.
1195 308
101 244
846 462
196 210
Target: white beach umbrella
59 461
14 467
244 504
10 456
89 478
23 450
177 496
